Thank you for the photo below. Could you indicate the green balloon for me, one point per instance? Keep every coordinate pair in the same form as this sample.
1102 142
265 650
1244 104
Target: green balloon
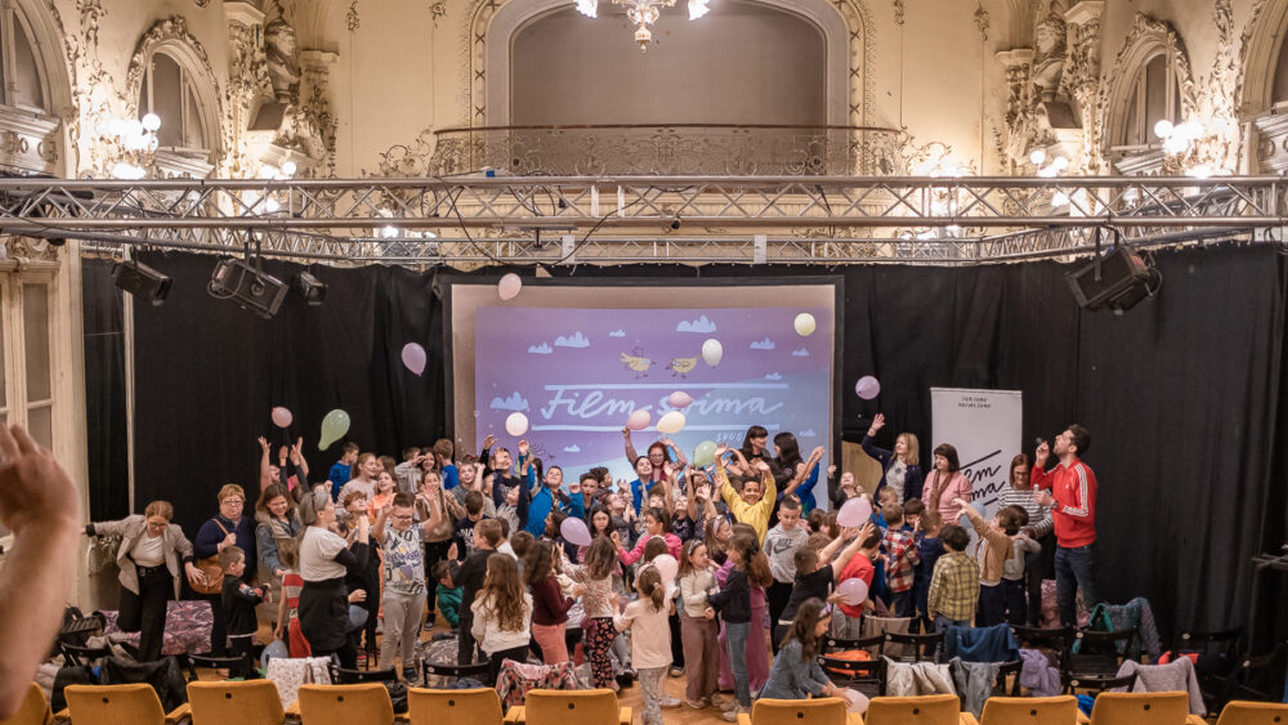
334 426
704 454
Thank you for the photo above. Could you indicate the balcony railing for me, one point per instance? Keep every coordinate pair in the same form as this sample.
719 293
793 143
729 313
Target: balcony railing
669 150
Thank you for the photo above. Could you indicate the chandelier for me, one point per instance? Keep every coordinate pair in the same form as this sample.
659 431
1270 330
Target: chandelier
643 13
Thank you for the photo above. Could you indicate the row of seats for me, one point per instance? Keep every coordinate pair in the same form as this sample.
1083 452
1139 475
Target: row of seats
257 703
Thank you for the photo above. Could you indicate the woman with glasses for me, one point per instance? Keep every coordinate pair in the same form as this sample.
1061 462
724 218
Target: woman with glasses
227 528
151 552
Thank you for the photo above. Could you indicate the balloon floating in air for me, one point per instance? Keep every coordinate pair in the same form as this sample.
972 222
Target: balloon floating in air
334 425
509 286
282 417
639 419
853 591
667 566
804 324
517 424
867 387
712 352
574 531
854 512
672 422
680 399
704 454
413 356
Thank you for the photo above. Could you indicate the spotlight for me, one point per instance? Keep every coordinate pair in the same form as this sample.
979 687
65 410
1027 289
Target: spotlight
1116 281
311 288
675 223
141 281
251 288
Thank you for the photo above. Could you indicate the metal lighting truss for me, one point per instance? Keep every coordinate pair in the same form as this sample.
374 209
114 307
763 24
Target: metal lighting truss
475 219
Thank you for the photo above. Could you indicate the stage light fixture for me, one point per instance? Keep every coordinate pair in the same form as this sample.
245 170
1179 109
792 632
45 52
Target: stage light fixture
247 285
312 289
141 281
1116 281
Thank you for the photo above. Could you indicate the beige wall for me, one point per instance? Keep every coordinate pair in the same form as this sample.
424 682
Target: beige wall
742 63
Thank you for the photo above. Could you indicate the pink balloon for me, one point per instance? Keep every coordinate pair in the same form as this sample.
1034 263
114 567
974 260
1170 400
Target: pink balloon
509 286
680 399
867 387
854 591
854 512
639 419
282 417
413 356
574 531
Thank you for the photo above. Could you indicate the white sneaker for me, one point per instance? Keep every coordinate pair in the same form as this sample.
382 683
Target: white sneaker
668 701
732 715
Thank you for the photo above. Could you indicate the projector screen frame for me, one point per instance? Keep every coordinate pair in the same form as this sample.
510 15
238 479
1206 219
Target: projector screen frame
447 283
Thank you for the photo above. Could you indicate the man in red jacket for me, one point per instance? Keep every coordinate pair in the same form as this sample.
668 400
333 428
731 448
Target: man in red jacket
1073 508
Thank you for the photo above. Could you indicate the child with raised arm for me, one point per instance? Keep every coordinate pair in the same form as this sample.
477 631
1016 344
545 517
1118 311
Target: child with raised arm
754 503
817 570
992 551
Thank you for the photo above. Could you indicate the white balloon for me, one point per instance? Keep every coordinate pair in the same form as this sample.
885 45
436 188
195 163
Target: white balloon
667 566
804 324
517 424
712 352
671 423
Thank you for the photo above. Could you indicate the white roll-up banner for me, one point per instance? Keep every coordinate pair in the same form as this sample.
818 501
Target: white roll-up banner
986 427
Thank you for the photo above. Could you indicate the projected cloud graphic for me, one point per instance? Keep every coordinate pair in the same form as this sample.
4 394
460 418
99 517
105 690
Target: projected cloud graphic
765 344
700 325
514 403
542 349
574 448
773 376
800 353
575 340
617 333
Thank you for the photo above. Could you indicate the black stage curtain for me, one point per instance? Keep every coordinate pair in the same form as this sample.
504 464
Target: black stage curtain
105 413
1182 394
207 374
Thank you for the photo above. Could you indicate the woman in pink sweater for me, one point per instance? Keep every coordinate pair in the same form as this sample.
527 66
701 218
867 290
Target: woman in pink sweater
945 483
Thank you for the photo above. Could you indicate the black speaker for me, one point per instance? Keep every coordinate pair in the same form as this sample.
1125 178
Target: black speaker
251 288
1116 281
141 280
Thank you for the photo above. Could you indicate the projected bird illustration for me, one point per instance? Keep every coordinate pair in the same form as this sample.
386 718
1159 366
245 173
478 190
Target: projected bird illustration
681 365
637 363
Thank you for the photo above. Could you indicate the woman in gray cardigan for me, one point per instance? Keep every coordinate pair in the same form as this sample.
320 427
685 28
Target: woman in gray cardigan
151 552
796 674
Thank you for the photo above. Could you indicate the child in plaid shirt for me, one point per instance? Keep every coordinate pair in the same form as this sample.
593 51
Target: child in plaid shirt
954 587
900 559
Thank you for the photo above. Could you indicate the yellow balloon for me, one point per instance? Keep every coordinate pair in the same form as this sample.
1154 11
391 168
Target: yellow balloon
671 423
804 324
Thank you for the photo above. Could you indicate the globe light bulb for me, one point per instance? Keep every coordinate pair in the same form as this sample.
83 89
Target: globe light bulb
151 122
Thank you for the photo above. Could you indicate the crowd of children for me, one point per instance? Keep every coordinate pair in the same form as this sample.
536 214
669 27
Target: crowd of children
689 571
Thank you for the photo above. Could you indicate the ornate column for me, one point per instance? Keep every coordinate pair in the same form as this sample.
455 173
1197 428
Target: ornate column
247 82
315 102
1082 77
1018 63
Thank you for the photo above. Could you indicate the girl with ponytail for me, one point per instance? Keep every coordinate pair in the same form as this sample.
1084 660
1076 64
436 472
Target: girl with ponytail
647 618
